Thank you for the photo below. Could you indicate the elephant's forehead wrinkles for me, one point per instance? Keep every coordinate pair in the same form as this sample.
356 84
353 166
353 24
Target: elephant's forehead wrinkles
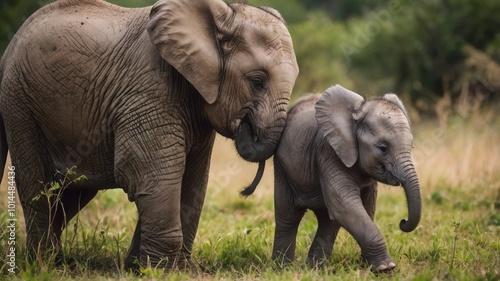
260 34
386 112
392 121
273 47
261 28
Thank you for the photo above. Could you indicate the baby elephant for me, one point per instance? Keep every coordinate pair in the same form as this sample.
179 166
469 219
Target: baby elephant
334 149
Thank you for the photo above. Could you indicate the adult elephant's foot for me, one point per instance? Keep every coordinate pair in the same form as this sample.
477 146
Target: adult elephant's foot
186 264
61 261
133 265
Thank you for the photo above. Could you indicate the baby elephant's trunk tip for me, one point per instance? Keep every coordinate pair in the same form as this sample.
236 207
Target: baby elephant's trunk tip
251 188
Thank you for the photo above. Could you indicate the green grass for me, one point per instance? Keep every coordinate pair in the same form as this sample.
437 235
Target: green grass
457 239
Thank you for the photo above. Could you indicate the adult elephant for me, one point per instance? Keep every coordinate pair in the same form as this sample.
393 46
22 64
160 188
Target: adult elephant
133 97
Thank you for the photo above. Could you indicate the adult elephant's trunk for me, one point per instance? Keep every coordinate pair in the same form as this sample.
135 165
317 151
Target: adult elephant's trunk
251 147
408 178
260 129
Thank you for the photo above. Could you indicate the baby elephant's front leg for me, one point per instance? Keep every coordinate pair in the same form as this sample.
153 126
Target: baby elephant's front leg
347 208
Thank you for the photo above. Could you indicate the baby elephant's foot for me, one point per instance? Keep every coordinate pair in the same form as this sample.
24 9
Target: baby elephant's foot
381 265
384 267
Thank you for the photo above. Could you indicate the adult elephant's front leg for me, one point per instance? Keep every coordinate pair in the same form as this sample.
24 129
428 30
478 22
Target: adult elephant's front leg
194 186
160 224
151 173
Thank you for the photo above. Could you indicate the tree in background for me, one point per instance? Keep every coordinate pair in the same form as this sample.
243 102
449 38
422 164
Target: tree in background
12 14
440 55
343 9
431 51
428 50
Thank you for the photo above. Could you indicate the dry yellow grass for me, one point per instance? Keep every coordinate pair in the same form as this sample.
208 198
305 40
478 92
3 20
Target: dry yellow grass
460 162
464 152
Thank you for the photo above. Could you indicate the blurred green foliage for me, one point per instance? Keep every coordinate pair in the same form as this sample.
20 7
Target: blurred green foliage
430 52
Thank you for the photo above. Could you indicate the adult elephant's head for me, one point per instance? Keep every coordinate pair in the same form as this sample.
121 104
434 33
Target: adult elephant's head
240 59
375 135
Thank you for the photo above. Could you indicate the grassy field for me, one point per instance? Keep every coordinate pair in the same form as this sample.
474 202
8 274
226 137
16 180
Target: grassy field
457 239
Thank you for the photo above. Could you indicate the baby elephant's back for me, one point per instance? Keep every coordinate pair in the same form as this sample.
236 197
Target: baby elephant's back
301 118
296 142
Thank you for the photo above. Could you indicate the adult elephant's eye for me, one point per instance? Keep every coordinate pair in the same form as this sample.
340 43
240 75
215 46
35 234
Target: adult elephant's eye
258 81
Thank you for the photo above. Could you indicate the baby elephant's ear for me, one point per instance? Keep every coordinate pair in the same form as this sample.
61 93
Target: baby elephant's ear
334 113
395 100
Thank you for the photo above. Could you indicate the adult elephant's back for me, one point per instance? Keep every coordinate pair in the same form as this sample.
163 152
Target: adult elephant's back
68 56
76 69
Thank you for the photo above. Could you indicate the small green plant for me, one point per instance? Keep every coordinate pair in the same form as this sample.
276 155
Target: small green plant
52 192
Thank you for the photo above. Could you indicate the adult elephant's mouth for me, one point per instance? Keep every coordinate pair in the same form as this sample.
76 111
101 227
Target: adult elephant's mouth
250 146
245 115
257 133
252 140
237 123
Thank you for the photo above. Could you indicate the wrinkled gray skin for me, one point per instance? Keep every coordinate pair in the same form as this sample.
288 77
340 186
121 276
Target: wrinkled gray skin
334 149
133 98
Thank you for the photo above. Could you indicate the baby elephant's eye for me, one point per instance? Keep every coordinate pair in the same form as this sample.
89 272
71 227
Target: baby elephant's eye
382 147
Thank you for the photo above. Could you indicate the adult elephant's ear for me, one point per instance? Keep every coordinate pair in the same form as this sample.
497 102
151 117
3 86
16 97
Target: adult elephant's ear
334 113
184 32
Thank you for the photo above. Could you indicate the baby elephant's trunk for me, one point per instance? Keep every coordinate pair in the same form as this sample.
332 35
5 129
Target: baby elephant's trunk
251 188
410 183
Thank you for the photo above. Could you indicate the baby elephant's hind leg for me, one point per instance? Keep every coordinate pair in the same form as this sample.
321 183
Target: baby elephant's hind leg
321 248
287 217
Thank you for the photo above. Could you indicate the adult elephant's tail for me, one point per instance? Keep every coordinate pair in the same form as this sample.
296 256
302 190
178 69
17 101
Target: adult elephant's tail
251 188
4 148
3 136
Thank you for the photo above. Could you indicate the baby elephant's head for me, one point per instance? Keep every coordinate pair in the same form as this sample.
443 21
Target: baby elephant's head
373 134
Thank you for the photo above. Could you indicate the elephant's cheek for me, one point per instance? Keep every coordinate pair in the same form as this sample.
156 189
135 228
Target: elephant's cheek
221 125
235 124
